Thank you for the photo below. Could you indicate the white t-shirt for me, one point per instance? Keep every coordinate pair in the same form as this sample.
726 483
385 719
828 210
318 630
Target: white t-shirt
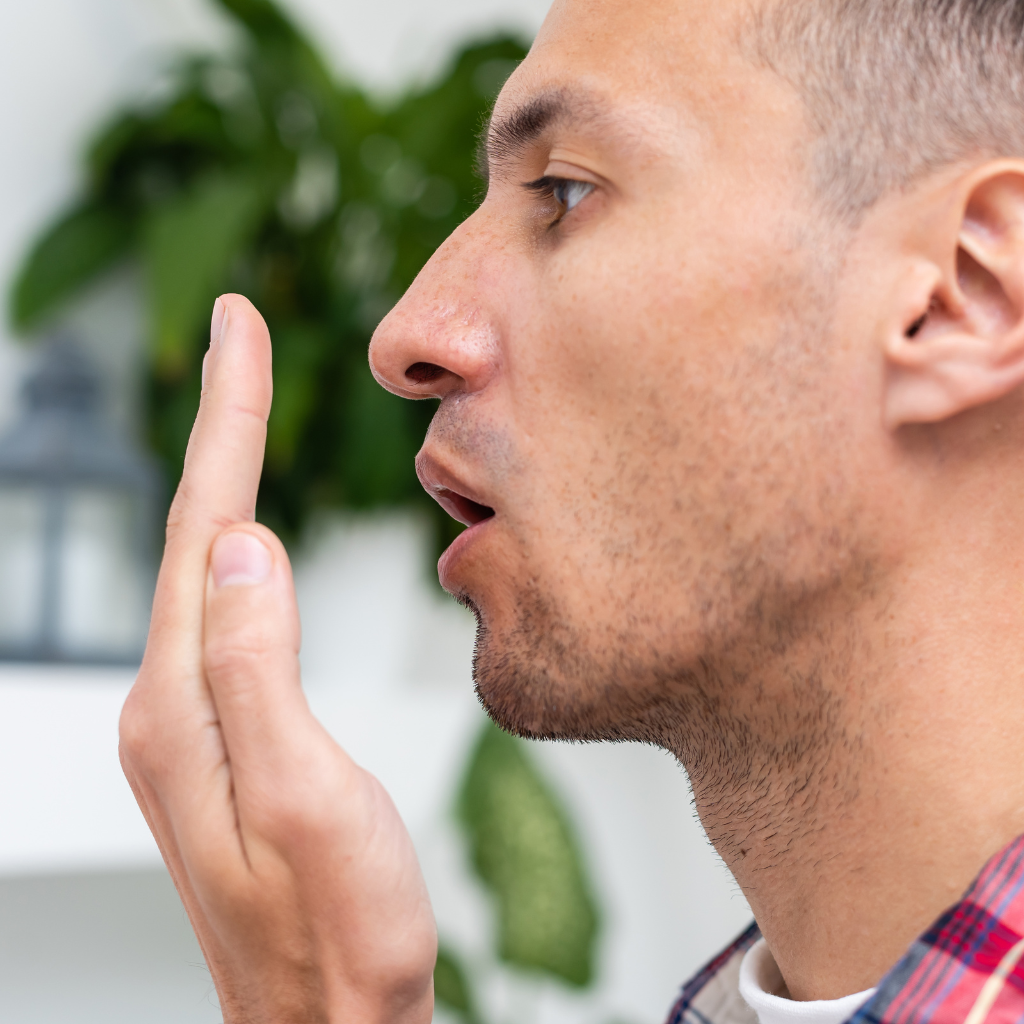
760 985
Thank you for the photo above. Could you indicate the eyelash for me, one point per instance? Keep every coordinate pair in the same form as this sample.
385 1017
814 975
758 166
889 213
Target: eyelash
549 186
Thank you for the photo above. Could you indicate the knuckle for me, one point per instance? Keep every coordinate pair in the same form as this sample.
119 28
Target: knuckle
326 816
176 516
187 508
287 822
307 810
135 728
294 828
251 411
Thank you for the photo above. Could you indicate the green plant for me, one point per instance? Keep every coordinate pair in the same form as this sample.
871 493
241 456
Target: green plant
523 849
257 172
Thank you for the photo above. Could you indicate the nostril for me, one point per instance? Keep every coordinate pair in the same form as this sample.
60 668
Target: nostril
424 373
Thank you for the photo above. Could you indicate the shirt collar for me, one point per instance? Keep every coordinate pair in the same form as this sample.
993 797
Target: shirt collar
968 968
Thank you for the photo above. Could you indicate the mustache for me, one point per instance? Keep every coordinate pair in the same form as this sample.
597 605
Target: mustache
462 427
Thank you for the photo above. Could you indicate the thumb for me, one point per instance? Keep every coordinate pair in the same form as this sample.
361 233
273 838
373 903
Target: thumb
251 649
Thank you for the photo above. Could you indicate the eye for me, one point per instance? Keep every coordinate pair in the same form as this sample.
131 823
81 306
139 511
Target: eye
567 193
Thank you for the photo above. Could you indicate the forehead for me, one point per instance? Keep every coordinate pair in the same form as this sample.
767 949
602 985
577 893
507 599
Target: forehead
646 38
662 64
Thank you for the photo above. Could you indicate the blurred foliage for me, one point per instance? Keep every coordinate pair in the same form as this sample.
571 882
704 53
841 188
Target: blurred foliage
258 172
451 986
523 849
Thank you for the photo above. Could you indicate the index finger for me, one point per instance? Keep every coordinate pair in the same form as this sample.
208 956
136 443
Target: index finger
220 478
171 745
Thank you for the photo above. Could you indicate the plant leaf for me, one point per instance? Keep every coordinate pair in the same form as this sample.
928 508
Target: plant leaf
189 245
297 347
72 253
524 851
277 39
381 442
451 987
265 20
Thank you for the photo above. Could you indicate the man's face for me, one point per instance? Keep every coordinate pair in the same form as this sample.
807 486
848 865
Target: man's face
640 375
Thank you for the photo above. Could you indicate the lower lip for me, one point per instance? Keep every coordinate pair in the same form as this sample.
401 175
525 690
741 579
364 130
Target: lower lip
457 548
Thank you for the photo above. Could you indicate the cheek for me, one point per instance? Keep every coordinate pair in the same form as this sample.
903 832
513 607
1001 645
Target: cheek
626 351
611 389
640 308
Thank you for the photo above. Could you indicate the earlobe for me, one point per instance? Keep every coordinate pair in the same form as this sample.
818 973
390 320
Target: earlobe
956 339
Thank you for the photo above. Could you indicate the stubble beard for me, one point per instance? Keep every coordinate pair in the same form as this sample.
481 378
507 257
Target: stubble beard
765 773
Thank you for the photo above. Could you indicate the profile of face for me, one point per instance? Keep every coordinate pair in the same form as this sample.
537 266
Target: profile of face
660 415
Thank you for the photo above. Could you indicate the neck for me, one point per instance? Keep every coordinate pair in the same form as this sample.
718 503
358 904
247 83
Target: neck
873 770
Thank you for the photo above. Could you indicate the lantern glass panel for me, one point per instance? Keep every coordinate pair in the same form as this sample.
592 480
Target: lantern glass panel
22 559
77 517
105 591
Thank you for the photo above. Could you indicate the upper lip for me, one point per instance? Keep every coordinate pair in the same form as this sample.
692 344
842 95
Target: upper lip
455 496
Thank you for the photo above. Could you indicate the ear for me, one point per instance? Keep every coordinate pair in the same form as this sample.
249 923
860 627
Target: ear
956 340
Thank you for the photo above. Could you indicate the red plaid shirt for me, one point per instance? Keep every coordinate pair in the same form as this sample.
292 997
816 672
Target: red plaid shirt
968 968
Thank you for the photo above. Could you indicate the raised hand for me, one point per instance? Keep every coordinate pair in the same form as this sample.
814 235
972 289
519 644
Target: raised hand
296 871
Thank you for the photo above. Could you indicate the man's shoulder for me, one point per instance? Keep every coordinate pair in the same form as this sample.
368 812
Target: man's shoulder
712 996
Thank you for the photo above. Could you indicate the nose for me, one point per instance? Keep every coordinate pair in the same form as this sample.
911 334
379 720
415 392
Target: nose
443 335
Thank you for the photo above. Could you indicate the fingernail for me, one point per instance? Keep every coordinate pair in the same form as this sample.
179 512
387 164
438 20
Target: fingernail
217 321
216 330
238 558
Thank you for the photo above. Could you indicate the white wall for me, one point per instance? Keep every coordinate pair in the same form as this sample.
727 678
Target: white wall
90 930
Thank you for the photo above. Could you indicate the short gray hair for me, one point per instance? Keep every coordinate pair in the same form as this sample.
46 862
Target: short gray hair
895 89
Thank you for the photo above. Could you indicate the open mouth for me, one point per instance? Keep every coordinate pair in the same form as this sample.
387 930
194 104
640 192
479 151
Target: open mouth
437 479
459 507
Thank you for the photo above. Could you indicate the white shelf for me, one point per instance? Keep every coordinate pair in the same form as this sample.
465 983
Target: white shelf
65 805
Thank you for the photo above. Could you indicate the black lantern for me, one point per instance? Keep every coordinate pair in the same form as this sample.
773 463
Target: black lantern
78 508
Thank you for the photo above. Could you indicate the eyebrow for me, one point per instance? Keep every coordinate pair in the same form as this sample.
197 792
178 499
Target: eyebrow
503 139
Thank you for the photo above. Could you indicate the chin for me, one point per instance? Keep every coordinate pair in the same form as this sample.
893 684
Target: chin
544 679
